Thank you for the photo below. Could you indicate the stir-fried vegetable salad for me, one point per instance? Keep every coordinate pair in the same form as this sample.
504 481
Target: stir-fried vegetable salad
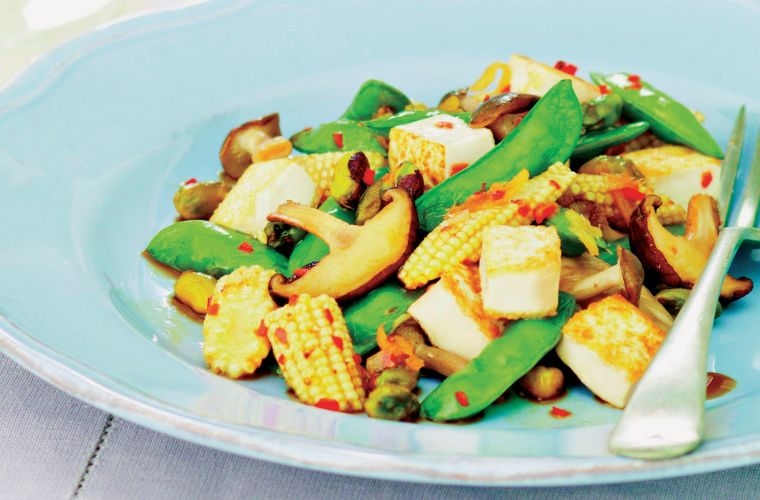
531 225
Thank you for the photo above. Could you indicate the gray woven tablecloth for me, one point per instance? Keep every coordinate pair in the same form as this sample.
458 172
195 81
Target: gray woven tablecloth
55 446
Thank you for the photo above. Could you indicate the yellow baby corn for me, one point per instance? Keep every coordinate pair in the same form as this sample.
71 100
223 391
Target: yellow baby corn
458 238
320 167
234 345
311 343
604 188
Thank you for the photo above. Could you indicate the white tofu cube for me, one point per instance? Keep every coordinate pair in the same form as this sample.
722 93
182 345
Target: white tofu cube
439 146
260 190
608 346
519 271
451 313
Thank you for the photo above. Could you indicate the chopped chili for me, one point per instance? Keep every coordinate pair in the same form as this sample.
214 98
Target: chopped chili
338 139
559 412
329 316
566 67
281 335
245 247
604 89
506 88
191 180
292 300
328 404
462 398
281 359
338 341
213 309
543 211
444 124
706 180
262 330
458 167
635 81
300 272
369 177
630 193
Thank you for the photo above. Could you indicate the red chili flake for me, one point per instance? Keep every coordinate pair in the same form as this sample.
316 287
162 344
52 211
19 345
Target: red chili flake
329 316
566 67
245 247
604 89
635 81
462 398
543 211
293 300
262 330
300 271
338 342
559 412
328 404
444 124
707 179
281 335
554 184
630 193
458 167
523 210
338 139
191 180
486 97
398 359
517 120
357 359
281 359
506 88
369 177
213 309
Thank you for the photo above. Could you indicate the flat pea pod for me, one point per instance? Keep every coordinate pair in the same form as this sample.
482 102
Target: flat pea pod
381 306
546 135
373 95
669 119
501 363
311 248
382 126
205 247
339 135
596 143
602 111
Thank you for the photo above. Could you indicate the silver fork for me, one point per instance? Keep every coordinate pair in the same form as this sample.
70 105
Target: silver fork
665 415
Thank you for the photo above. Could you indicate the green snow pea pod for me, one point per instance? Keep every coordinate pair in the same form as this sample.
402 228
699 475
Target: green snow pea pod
501 363
311 248
381 306
596 143
602 111
546 135
382 126
340 135
200 245
669 119
373 95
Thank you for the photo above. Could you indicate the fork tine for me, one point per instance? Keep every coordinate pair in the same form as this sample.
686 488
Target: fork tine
745 211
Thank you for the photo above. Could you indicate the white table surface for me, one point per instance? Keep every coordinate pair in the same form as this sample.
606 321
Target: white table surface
55 446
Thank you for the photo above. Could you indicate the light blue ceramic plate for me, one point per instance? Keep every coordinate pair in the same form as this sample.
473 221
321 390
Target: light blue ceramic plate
95 138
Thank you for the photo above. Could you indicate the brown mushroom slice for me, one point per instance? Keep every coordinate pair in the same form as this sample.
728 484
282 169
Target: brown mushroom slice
502 113
678 261
576 269
626 276
360 258
242 142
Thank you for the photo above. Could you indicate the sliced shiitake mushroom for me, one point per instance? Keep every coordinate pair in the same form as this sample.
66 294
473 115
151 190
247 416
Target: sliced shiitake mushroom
502 113
678 261
360 258
242 142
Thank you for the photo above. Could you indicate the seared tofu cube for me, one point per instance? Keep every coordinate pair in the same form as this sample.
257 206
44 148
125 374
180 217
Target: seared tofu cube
258 193
519 271
451 313
678 172
608 346
439 146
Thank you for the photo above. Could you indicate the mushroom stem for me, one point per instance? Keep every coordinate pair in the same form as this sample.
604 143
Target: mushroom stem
597 284
333 231
627 276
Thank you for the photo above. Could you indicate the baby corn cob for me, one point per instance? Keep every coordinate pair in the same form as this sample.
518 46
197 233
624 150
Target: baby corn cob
458 238
233 344
311 343
605 188
320 167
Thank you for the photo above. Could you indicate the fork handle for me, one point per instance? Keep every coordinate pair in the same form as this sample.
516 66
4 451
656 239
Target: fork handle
664 417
